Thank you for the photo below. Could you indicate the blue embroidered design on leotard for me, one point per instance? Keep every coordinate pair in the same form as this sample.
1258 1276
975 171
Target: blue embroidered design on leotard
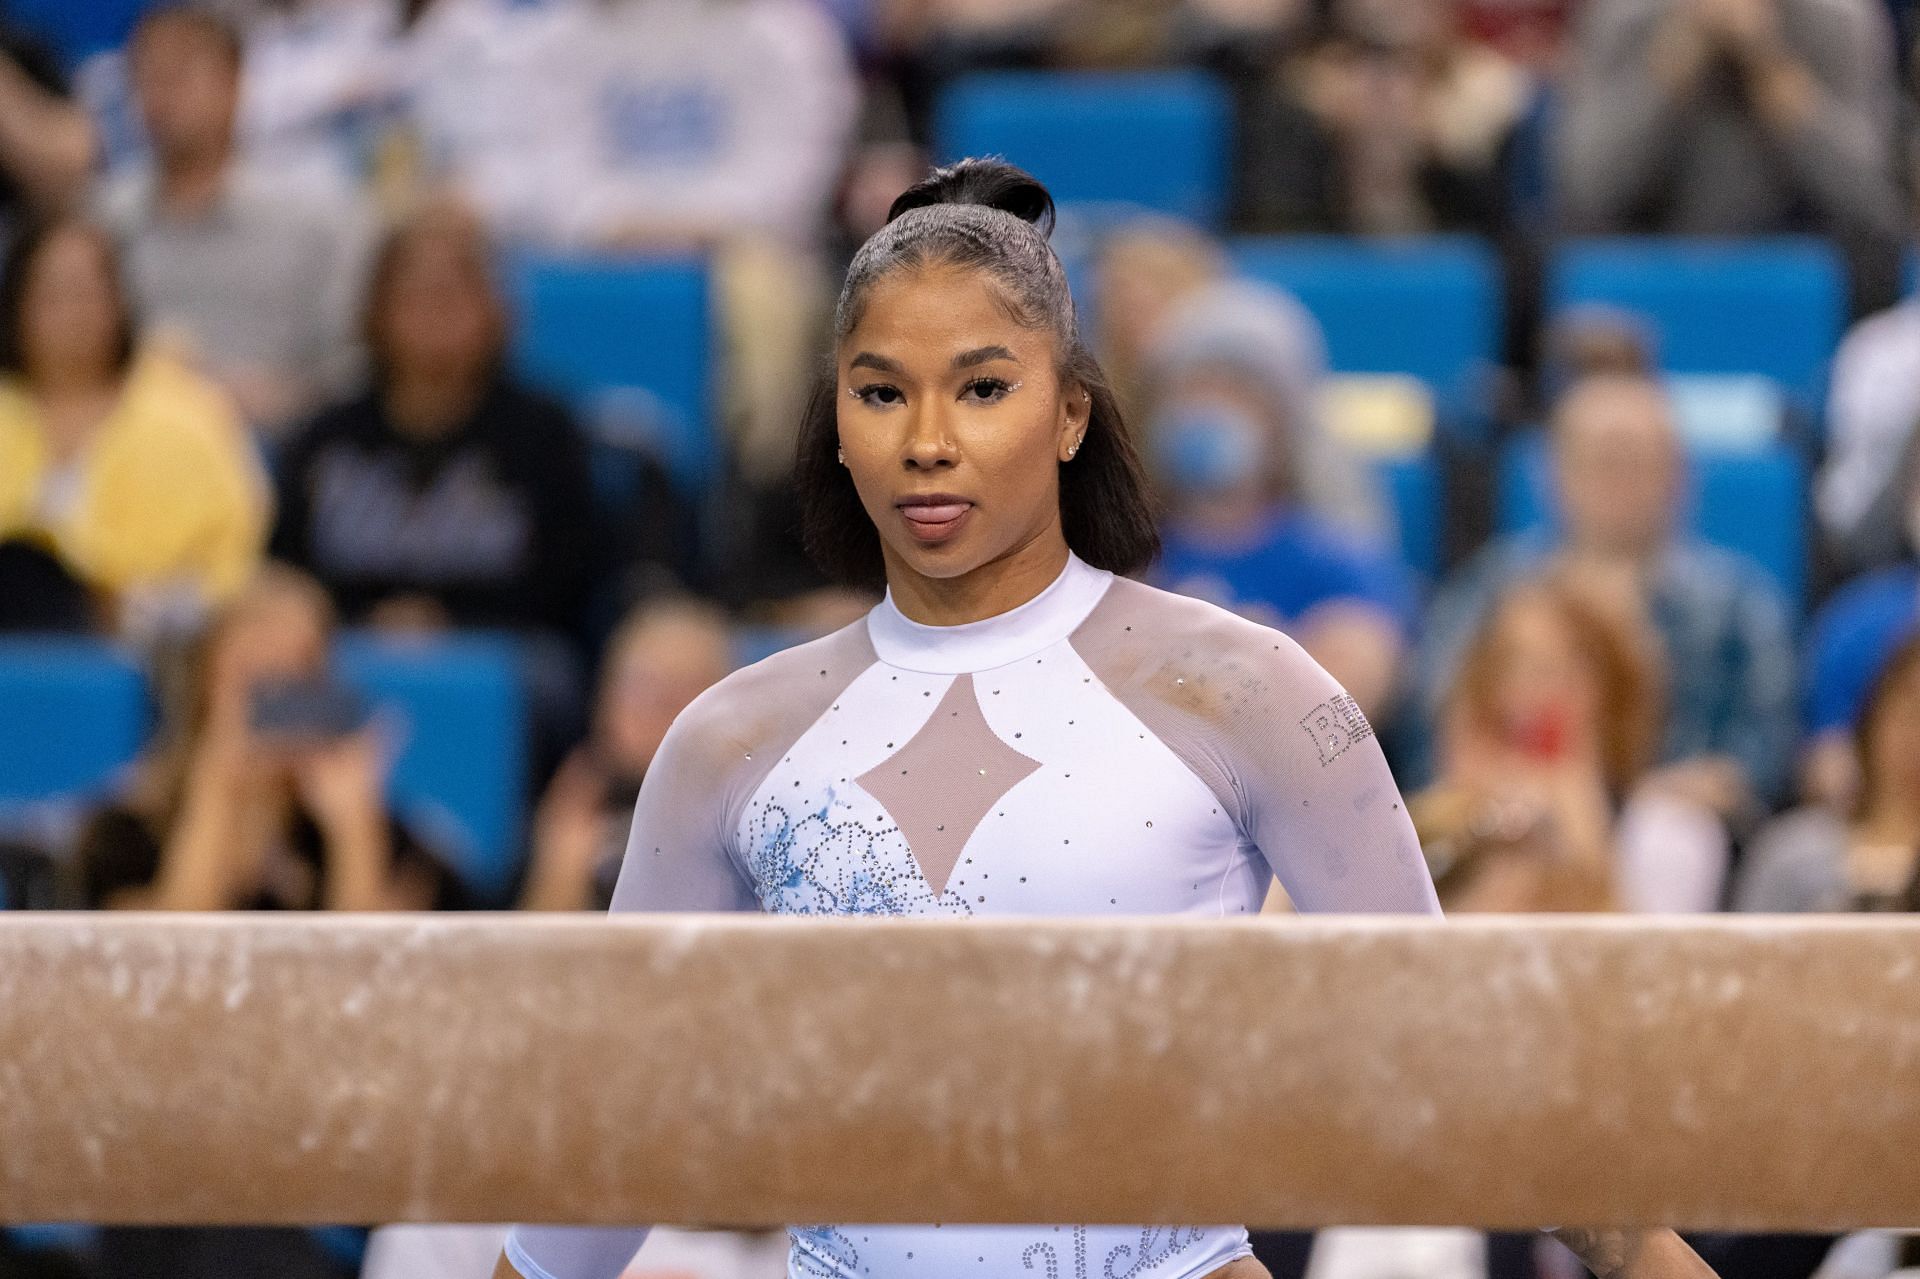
1178 1240
808 862
822 1251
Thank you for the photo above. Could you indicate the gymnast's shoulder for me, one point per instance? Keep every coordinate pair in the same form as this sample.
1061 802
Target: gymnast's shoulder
1145 630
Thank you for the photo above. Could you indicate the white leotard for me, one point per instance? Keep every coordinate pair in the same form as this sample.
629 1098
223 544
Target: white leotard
1106 748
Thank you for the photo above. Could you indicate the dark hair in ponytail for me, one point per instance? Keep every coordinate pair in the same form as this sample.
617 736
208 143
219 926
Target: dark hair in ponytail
993 183
986 215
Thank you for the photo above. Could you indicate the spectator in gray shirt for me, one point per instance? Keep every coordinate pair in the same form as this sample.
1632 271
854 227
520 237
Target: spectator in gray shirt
258 281
1737 117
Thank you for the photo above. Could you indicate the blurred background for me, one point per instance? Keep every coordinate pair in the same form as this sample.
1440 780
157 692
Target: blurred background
396 400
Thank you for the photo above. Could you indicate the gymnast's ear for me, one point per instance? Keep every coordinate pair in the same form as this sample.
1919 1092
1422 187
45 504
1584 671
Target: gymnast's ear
1076 410
1108 509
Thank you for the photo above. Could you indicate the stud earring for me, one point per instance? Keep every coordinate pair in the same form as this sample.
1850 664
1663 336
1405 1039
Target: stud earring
843 456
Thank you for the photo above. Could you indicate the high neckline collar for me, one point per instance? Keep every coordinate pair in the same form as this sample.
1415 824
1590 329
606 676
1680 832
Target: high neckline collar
1019 632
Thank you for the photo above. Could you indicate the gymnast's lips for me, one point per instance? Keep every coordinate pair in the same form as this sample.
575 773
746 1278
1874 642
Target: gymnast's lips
933 517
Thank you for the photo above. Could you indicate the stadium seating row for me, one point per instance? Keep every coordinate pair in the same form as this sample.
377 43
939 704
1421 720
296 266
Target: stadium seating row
629 341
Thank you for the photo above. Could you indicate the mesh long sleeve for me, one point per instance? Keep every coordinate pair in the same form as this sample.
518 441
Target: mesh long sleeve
1316 794
1277 740
679 856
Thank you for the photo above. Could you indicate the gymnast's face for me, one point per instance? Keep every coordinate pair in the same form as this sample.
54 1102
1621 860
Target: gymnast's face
955 421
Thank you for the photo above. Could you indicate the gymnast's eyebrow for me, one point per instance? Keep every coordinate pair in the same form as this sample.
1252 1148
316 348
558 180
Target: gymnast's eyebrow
868 360
982 355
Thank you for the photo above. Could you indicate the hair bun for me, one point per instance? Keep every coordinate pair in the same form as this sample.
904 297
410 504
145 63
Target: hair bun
992 182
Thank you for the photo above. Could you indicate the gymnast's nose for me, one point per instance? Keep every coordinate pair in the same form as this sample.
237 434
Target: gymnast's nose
930 443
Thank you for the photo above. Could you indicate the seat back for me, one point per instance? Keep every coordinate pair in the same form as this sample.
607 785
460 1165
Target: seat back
1160 140
457 707
1428 308
626 340
1773 307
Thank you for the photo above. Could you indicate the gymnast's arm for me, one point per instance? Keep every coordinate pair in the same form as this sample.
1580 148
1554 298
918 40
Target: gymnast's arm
1322 806
1312 789
677 859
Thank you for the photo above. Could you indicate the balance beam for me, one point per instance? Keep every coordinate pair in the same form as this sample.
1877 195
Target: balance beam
1739 1074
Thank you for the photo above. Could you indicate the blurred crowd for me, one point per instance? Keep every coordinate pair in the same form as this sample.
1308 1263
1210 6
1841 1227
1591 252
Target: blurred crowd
256 388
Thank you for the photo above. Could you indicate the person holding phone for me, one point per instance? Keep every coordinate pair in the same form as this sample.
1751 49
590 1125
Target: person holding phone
664 655
266 790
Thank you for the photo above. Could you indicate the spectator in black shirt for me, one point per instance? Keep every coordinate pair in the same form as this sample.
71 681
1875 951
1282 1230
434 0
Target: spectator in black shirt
445 494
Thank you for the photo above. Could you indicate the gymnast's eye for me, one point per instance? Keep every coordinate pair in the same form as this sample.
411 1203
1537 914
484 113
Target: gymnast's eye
878 395
987 390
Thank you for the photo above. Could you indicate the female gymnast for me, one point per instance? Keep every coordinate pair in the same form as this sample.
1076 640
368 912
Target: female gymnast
1018 728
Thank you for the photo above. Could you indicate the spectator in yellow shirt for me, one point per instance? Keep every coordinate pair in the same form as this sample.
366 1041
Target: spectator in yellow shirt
130 470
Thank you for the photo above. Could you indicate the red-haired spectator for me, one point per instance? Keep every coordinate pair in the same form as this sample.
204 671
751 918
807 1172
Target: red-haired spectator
1548 729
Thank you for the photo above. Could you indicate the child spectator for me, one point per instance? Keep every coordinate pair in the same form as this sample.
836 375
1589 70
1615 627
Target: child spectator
665 655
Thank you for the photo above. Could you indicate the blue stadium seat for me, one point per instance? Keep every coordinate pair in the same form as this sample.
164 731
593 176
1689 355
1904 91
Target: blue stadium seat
633 332
54 1236
1773 307
1158 139
77 29
1426 307
1753 503
461 775
73 713
1412 484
